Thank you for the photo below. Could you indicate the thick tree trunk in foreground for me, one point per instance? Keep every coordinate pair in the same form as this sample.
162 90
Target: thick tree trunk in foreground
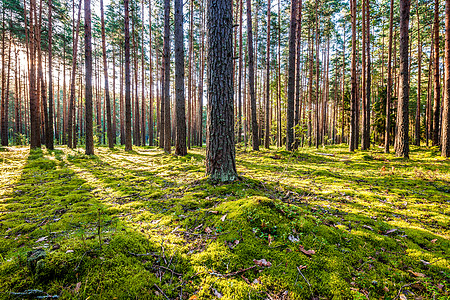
180 138
291 77
128 144
251 77
220 151
389 84
402 139
445 141
88 84
35 129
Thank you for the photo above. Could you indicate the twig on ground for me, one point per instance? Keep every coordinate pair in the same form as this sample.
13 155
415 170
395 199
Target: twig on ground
142 254
239 271
404 286
161 291
170 270
298 269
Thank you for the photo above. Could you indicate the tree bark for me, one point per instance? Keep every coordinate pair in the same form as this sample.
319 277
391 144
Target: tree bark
402 143
445 138
166 81
89 131
352 136
267 96
49 137
128 143
437 84
291 77
180 138
389 84
105 74
419 78
220 151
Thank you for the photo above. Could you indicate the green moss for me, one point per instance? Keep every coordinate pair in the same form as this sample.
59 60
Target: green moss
115 225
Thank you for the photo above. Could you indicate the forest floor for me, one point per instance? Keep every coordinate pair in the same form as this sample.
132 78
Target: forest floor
313 224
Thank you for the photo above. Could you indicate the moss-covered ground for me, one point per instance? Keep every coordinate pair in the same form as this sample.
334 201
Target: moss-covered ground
314 224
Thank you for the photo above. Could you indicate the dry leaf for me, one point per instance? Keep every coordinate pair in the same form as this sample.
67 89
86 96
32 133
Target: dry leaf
214 212
391 231
440 287
416 273
198 227
307 252
293 238
386 289
69 251
302 267
208 230
41 239
425 262
403 297
216 293
433 241
193 297
77 287
367 227
270 239
262 263
223 218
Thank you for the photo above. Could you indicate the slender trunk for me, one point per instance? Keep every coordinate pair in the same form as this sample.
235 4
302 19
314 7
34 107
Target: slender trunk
72 81
419 78
445 141
402 139
437 83
150 109
352 136
143 118
389 83
128 145
180 143
166 82
105 74
291 77
49 140
267 115
89 131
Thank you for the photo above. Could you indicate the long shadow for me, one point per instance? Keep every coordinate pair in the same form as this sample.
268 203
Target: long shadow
58 239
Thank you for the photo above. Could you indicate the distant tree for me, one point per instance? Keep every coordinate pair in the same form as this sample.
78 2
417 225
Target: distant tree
437 82
251 77
389 82
352 137
220 151
165 113
291 78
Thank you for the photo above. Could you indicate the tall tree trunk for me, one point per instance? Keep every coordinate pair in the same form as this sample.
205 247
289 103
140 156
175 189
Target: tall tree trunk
402 143
298 90
180 138
105 74
72 81
166 82
389 83
202 72
150 109
445 141
251 77
128 144
136 114
88 73
143 117
342 138
437 84
35 133
49 140
279 139
240 89
291 77
114 111
267 115
352 136
419 78
220 151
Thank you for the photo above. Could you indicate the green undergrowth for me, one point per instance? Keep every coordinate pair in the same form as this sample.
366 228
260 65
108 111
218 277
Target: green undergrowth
313 224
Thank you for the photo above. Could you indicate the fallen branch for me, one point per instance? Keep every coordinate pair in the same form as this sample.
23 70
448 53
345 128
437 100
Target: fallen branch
404 286
298 269
141 254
